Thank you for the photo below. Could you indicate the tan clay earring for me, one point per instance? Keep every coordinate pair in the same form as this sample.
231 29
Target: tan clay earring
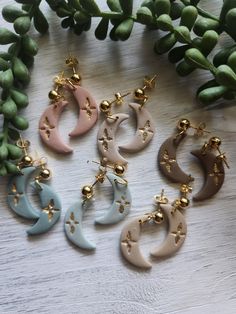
213 166
130 235
167 161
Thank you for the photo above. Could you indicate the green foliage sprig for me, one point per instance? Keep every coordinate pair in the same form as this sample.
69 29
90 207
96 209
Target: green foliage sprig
191 36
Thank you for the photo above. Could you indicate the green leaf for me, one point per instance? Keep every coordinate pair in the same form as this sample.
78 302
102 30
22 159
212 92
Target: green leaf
208 42
177 53
3 171
11 168
124 29
20 71
226 76
6 79
184 69
10 13
90 6
189 16
195 58
127 6
204 24
20 98
13 134
164 22
149 4
222 56
22 25
6 36
3 152
165 43
20 123
176 10
211 94
9 108
162 7
114 5
144 16
232 61
14 151
40 22
211 83
231 22
227 6
29 45
182 34
4 65
102 28
81 17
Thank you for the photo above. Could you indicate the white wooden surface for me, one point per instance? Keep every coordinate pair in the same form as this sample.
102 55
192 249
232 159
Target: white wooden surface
46 274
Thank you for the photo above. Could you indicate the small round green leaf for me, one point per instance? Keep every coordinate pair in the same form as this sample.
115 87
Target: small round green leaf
20 71
14 151
209 41
165 43
210 95
81 17
182 34
6 79
114 5
40 22
184 69
90 6
9 108
20 123
124 29
22 25
20 98
102 28
164 22
126 6
195 58
29 45
177 53
222 56
3 152
144 15
7 37
4 65
204 24
232 61
11 168
226 76
162 7
189 16
3 171
10 13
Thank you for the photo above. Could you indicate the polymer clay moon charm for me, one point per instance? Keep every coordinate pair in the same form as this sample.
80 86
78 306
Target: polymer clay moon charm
176 233
48 127
130 235
129 244
106 138
88 111
50 212
145 130
121 203
116 212
16 195
167 161
73 226
214 174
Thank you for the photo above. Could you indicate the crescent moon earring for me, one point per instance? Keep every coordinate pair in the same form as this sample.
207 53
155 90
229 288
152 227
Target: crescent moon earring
88 111
213 166
18 201
106 133
48 123
145 125
177 230
167 161
117 211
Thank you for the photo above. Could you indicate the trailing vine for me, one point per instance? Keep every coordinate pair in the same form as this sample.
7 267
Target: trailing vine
191 36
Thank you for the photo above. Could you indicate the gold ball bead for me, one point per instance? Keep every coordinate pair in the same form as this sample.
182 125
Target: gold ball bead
105 106
87 191
119 170
215 142
27 160
184 201
183 124
159 217
76 78
45 174
53 95
139 93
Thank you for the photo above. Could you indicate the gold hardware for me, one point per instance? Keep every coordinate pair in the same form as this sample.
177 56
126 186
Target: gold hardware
184 124
26 160
106 105
214 144
139 93
55 95
72 63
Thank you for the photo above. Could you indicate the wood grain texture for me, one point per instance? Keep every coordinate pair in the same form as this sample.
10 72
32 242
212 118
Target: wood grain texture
46 274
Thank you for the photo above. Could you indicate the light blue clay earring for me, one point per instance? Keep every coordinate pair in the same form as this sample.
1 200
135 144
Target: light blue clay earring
18 201
116 212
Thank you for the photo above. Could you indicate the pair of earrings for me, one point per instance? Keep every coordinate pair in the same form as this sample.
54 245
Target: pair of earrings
116 212
145 128
88 111
18 201
177 230
213 164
